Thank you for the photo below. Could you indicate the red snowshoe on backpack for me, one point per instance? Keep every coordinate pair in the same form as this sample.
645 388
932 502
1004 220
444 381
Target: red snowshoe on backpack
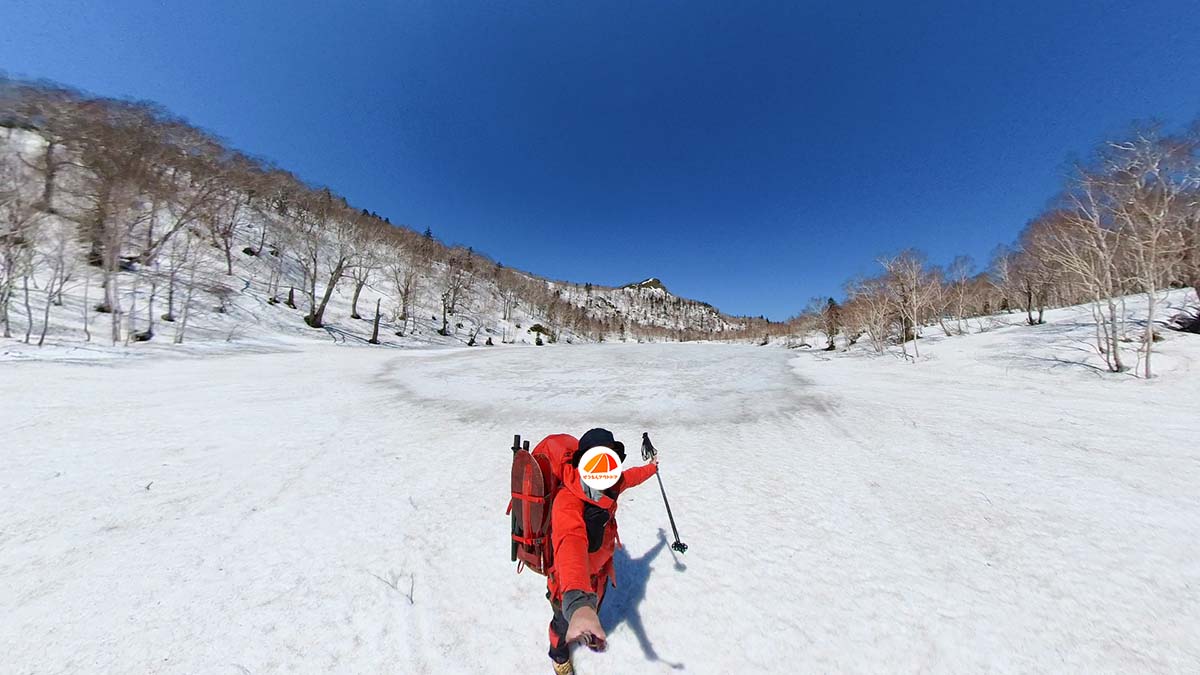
536 478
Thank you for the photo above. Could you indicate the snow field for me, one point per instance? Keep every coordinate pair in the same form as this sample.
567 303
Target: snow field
999 506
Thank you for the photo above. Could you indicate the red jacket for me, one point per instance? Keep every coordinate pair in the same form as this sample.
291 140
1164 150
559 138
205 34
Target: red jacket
574 568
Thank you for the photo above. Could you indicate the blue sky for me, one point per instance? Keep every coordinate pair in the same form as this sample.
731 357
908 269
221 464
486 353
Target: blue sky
752 155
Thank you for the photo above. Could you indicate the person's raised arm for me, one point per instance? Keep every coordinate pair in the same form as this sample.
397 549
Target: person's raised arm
640 474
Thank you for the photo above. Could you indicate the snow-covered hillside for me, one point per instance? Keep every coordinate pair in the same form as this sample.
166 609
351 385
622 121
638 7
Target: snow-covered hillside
998 506
1066 341
649 303
249 253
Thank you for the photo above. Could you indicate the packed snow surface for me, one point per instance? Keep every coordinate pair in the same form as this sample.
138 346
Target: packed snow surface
341 509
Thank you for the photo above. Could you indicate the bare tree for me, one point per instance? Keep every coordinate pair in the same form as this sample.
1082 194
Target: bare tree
193 257
222 221
407 268
325 249
19 221
368 256
509 286
280 194
958 288
912 290
53 112
1189 272
1034 276
1081 240
1149 178
870 308
117 161
454 281
1002 274
61 261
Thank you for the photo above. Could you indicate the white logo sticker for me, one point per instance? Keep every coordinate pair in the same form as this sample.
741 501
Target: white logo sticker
600 468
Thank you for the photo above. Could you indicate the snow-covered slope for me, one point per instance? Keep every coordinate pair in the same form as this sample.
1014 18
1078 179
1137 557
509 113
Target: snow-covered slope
269 244
996 345
999 506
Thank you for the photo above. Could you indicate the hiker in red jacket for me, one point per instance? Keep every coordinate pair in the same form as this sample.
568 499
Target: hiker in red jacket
584 536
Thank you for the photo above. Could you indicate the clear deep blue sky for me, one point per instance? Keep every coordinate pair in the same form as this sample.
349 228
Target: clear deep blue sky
749 154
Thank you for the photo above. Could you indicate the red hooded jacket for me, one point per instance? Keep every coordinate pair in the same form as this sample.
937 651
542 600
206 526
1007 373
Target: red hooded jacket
575 569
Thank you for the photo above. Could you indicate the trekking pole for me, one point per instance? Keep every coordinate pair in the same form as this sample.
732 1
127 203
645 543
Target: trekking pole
648 453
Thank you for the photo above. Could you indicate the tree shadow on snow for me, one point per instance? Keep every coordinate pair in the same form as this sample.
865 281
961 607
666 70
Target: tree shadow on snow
621 603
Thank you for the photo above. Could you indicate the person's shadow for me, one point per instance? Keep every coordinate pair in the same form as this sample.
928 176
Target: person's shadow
621 603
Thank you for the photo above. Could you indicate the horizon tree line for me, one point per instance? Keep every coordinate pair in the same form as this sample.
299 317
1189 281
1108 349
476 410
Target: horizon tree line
1126 221
125 199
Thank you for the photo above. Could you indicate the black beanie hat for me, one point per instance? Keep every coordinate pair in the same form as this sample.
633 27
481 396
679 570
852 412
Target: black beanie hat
595 438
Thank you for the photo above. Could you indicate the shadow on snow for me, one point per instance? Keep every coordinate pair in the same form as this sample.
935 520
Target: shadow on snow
621 603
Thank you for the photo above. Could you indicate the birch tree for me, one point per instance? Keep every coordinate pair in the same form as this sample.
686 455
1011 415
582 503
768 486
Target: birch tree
871 308
1149 177
958 286
912 293
1081 240
59 256
19 224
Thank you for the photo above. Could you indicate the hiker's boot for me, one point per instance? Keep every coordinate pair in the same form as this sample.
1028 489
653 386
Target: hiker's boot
564 668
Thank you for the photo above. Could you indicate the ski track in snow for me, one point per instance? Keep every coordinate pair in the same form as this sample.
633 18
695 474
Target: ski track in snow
342 510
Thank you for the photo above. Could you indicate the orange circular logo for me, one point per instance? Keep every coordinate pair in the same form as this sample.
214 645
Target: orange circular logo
600 468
